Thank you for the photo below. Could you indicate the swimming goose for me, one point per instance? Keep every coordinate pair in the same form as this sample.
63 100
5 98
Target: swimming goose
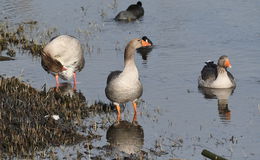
147 40
133 12
216 75
144 51
124 86
63 57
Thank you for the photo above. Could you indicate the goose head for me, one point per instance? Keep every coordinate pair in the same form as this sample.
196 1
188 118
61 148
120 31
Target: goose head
147 40
138 43
224 62
132 46
51 64
139 3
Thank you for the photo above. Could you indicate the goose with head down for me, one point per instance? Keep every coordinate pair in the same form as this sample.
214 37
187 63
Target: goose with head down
124 86
216 75
63 57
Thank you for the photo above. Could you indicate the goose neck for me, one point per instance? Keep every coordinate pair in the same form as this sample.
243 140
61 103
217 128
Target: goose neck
221 70
129 55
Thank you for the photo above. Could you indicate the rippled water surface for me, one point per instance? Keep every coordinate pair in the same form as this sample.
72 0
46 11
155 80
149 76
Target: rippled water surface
175 115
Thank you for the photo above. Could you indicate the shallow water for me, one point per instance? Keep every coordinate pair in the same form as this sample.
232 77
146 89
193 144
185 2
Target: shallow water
185 34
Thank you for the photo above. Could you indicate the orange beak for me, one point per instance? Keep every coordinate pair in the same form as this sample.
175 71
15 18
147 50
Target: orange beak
144 43
227 64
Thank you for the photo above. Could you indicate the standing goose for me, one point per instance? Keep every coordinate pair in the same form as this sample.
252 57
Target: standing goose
124 86
216 75
63 57
133 12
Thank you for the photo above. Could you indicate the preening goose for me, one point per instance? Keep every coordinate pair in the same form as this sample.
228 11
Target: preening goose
63 57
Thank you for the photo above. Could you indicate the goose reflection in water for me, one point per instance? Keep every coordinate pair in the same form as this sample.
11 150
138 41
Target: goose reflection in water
144 51
126 138
222 95
65 89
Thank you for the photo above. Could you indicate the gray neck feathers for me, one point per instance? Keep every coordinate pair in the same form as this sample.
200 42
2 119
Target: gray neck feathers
130 68
129 56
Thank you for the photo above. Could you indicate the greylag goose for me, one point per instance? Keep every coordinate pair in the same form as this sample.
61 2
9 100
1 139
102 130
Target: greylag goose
216 75
133 12
124 86
63 57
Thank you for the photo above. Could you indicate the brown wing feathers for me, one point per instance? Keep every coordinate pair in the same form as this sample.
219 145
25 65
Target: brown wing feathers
49 64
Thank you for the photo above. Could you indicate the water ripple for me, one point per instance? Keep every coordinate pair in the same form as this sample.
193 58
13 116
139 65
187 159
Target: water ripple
16 10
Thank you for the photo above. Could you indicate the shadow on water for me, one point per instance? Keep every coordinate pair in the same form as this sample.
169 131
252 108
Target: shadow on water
222 95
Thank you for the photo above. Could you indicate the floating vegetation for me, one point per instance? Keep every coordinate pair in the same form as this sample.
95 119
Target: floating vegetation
4 58
30 22
26 118
17 38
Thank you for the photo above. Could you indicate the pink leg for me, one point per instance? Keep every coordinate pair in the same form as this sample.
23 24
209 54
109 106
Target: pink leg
74 81
57 81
